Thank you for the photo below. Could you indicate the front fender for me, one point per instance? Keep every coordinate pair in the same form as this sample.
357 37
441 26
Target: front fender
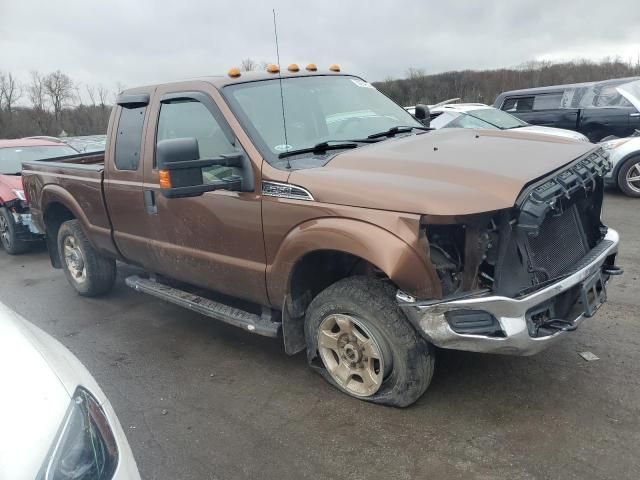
408 267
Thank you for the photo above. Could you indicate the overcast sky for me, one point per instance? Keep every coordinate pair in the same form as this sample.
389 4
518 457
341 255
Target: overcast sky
146 41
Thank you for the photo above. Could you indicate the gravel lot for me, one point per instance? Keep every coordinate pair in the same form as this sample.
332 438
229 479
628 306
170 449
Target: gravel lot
202 400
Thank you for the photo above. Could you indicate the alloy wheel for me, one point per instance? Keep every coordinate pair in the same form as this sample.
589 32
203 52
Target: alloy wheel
74 259
633 177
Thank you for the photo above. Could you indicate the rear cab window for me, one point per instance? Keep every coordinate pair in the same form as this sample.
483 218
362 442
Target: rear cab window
129 137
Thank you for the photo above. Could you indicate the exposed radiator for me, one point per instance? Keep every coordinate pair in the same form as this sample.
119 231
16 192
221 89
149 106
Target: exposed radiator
560 244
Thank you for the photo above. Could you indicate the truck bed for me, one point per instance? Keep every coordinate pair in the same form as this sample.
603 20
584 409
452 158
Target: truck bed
79 178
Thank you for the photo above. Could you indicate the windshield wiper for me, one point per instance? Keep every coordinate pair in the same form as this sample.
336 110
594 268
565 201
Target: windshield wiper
321 147
395 130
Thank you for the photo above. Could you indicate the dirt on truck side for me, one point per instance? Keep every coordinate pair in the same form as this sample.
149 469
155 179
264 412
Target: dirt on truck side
345 227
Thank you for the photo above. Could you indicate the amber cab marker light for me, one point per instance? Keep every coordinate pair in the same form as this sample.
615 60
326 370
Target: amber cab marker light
335 67
165 179
312 67
272 68
234 72
293 67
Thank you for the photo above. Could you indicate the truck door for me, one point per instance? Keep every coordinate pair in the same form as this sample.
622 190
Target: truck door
124 176
214 240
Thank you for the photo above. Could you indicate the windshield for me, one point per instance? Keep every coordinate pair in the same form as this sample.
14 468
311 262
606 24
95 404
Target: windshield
497 118
317 109
11 158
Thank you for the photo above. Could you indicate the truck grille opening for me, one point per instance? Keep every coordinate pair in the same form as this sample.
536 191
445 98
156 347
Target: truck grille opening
560 244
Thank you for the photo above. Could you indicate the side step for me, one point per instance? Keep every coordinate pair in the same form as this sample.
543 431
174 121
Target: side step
260 324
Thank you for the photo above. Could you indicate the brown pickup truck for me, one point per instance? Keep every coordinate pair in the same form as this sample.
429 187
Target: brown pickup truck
307 205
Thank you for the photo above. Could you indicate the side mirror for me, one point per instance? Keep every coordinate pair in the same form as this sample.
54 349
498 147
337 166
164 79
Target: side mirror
180 166
423 114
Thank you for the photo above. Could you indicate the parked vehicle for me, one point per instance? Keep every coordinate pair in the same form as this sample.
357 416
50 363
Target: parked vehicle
595 109
56 421
311 206
624 154
17 232
87 143
478 115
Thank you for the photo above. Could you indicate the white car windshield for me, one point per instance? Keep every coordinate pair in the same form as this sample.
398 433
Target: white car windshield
486 118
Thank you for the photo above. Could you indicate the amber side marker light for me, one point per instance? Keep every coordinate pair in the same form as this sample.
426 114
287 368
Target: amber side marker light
272 68
234 72
335 67
312 67
293 68
165 179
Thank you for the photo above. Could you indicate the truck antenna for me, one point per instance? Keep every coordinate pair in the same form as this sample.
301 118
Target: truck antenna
284 118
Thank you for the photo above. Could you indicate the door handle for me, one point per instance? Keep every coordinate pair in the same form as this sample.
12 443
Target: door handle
634 114
150 202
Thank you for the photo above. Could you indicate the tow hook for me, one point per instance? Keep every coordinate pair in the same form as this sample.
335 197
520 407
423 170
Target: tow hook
612 270
561 325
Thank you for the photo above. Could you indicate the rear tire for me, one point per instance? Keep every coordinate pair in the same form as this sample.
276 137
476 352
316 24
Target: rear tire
9 234
629 170
89 272
364 345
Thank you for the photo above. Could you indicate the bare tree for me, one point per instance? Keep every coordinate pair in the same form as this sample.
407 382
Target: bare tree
36 92
38 99
103 94
59 88
10 91
248 65
91 91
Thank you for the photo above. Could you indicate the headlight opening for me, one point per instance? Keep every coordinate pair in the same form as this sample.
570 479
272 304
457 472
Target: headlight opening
85 447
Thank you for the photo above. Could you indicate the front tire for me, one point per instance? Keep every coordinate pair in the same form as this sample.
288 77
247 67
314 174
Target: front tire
90 273
629 177
9 234
364 344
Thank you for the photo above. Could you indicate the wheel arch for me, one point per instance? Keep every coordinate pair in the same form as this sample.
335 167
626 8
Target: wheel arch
318 253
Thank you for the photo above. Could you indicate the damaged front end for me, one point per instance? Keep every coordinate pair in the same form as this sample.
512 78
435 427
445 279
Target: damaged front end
26 230
512 280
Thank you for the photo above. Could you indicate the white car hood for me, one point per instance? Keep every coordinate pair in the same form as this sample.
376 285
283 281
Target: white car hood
558 132
33 402
39 378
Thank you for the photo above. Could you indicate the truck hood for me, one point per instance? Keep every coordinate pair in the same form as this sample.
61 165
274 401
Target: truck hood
443 172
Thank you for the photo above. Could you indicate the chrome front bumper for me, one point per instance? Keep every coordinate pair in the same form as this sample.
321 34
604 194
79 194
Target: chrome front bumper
511 313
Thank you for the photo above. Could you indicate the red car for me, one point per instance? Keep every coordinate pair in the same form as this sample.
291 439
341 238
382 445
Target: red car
17 232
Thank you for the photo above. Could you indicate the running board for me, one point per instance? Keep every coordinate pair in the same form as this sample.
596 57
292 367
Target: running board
260 324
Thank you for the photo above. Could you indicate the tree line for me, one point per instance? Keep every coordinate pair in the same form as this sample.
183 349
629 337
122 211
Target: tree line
483 86
51 104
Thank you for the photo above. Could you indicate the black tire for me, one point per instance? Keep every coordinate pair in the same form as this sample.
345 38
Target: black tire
99 271
624 185
409 358
9 234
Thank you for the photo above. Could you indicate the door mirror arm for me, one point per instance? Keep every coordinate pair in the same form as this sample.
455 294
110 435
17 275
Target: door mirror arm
181 169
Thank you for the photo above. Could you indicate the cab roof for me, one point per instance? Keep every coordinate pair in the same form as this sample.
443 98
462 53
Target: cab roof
222 80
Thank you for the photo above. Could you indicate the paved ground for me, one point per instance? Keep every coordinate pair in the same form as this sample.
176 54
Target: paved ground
238 407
